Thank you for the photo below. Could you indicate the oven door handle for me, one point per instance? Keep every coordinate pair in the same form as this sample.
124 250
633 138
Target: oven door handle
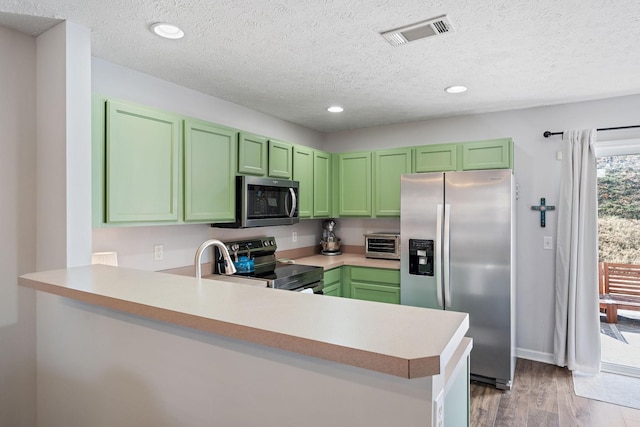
294 202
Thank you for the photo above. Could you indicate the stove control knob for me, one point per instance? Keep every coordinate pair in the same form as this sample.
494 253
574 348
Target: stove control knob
265 243
272 243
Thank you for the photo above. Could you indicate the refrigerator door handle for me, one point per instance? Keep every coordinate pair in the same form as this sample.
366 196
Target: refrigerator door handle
446 258
438 256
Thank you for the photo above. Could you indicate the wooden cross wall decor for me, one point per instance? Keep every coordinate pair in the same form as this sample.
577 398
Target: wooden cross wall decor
543 208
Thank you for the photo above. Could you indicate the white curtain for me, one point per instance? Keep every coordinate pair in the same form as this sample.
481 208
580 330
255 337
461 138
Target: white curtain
577 324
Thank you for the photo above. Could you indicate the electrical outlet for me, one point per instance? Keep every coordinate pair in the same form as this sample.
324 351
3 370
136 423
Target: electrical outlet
158 252
548 242
294 236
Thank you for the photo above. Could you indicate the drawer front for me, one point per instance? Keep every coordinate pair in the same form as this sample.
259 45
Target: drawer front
378 275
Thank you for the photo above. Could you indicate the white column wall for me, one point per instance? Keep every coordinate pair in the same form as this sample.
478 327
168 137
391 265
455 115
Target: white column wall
17 228
64 147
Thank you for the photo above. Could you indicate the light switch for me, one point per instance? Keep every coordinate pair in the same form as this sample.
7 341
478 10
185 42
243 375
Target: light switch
548 242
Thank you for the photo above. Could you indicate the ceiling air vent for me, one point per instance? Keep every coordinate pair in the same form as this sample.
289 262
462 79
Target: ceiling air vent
432 27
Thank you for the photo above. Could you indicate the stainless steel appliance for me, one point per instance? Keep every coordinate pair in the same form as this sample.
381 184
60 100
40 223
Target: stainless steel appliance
330 244
457 254
261 250
264 202
382 245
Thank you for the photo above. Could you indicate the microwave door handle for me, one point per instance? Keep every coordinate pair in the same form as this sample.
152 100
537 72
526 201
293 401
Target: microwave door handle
294 203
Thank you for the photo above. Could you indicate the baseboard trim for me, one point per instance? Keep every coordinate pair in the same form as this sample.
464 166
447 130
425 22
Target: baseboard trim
536 356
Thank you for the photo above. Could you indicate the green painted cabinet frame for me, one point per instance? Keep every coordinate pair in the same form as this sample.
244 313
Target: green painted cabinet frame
209 172
252 154
374 284
280 159
435 158
142 164
354 171
333 282
491 154
322 184
303 173
388 165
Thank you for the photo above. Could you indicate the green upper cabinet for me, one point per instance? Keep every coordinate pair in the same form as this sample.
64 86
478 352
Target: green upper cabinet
252 154
492 154
303 173
209 171
354 182
280 159
435 158
321 184
142 164
388 165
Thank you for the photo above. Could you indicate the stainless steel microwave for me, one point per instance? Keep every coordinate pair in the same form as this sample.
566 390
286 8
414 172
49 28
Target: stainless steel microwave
264 202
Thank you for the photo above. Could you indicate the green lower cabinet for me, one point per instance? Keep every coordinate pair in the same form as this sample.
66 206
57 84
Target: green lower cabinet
333 282
374 284
378 293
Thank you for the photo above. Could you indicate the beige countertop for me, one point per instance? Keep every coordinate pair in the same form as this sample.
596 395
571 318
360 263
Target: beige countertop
404 341
328 262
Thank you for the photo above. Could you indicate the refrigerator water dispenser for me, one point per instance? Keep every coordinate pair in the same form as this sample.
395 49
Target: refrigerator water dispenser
421 257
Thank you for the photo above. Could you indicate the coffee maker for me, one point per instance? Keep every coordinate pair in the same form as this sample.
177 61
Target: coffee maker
330 243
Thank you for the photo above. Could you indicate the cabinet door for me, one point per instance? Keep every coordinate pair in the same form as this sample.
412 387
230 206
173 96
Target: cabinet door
209 171
494 154
375 284
333 282
142 164
252 154
388 166
321 184
280 159
332 290
373 292
303 173
435 158
354 170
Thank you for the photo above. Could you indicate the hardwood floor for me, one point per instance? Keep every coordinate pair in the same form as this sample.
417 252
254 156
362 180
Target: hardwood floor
542 395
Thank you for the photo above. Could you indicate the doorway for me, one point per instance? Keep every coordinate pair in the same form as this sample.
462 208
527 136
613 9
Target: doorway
619 245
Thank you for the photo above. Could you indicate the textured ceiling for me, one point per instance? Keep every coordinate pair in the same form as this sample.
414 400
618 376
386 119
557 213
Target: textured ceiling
293 58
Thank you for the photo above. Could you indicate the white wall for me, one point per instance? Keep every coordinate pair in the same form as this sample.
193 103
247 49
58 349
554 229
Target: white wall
17 228
64 147
537 173
134 245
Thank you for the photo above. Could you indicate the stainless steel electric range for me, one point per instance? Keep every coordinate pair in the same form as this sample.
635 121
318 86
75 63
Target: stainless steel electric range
261 251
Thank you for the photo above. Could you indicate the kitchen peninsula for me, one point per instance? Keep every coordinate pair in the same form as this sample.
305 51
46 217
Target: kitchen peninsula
118 346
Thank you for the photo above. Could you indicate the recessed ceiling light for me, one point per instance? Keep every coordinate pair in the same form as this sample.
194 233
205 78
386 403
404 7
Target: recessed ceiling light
335 109
168 31
456 89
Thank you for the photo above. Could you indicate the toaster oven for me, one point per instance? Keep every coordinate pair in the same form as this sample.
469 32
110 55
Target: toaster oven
382 245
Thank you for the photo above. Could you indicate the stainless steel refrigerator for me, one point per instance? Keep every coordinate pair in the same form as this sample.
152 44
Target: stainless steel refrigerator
457 232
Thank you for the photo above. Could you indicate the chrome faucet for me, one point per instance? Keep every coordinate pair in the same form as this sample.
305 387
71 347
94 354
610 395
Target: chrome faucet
229 268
